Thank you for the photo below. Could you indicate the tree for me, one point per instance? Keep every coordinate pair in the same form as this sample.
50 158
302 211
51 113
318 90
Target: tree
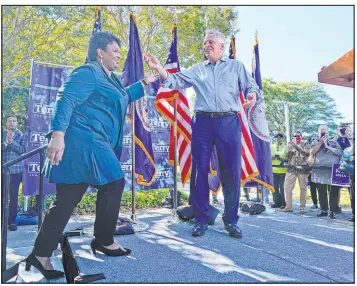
60 34
315 107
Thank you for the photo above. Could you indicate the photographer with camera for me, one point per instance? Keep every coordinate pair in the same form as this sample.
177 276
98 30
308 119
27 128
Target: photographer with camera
279 152
298 151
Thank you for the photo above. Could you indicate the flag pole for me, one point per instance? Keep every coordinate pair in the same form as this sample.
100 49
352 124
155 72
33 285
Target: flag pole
133 204
175 152
133 199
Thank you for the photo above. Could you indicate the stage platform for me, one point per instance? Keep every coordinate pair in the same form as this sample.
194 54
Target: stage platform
276 248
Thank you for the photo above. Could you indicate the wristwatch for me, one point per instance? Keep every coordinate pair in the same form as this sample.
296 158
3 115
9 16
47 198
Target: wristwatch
143 81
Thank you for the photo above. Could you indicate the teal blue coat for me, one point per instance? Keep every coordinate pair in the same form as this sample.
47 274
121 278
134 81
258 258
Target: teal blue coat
91 112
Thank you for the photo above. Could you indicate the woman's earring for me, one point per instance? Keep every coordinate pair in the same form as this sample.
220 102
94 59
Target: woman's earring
101 60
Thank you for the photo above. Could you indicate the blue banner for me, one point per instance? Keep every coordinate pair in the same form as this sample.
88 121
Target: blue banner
45 83
339 178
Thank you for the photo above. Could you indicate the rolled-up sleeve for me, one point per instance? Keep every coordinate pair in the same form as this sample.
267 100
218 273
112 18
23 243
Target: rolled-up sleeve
247 81
78 87
135 91
180 80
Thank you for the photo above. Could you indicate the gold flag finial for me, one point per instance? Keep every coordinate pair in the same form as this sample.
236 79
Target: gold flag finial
256 36
97 9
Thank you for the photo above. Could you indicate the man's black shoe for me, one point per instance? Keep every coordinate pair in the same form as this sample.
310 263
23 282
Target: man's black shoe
275 206
352 218
332 215
199 229
321 214
12 227
233 230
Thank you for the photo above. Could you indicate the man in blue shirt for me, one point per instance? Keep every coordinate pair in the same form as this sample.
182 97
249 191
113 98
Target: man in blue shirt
217 82
12 146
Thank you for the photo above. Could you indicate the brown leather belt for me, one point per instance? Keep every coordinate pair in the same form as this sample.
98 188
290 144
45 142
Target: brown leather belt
216 114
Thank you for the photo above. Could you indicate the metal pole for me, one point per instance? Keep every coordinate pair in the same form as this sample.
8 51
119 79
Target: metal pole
40 192
175 160
26 201
287 126
261 188
133 206
5 215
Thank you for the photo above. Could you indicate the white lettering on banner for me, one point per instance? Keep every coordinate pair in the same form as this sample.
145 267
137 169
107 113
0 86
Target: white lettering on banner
42 109
38 137
157 124
161 148
126 167
163 174
33 167
127 140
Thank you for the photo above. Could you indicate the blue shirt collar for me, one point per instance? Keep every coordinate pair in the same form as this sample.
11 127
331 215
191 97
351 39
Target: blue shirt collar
223 59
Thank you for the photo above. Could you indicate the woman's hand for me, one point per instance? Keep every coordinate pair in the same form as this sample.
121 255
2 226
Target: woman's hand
55 149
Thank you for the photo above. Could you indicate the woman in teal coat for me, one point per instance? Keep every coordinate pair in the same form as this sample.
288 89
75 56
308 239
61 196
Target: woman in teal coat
86 131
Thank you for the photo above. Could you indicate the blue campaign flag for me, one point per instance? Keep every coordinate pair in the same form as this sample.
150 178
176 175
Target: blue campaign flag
133 71
259 129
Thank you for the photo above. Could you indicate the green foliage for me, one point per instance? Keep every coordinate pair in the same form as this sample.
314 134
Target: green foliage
143 199
314 107
60 35
15 101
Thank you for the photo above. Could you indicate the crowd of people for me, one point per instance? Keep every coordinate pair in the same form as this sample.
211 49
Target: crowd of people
311 162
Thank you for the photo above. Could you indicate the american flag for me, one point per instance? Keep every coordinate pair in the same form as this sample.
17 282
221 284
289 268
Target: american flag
249 166
97 24
165 106
98 21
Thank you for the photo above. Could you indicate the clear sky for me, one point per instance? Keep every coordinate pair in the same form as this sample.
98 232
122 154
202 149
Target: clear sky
296 41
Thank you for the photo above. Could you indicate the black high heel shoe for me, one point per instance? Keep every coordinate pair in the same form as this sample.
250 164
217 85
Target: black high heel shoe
110 252
31 260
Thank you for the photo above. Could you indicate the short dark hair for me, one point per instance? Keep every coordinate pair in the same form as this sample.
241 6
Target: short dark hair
298 132
11 115
279 135
100 40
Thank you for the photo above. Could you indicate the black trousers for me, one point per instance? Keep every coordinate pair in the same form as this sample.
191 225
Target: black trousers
313 191
331 201
278 195
15 181
67 198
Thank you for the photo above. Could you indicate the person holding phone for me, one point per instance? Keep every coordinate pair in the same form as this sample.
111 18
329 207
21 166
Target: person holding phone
298 151
327 153
279 152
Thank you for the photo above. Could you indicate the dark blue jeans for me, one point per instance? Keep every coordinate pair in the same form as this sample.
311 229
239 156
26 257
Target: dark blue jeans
225 134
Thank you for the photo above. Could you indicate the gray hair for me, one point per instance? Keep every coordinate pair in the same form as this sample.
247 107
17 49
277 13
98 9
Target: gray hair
220 36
